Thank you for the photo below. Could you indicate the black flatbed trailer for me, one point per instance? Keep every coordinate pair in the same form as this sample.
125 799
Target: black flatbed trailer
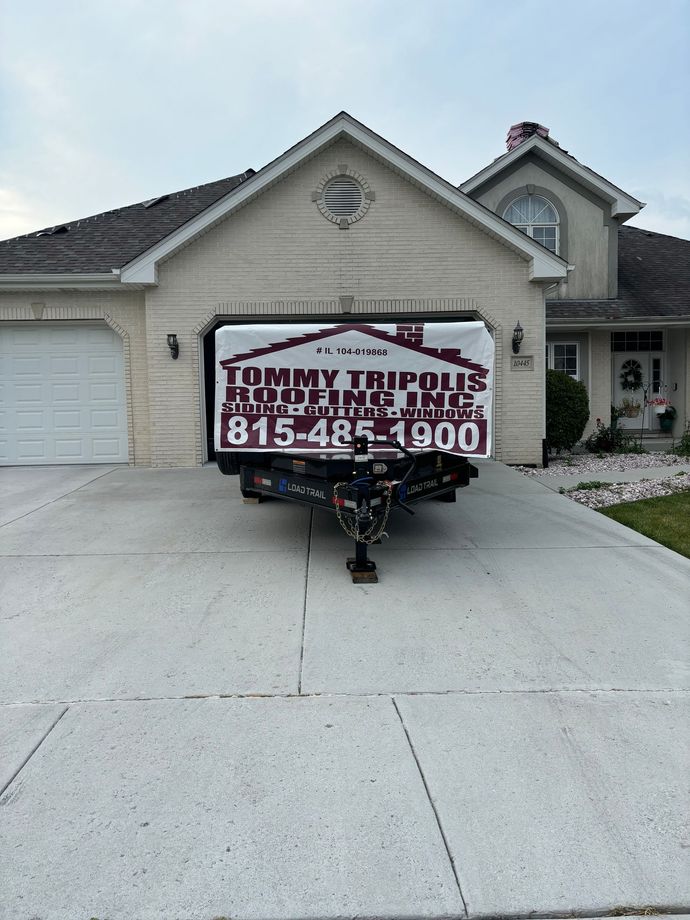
361 488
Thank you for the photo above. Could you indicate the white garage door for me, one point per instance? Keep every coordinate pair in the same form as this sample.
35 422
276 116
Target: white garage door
62 394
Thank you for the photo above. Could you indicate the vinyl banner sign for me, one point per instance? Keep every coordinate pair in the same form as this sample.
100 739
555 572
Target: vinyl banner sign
307 388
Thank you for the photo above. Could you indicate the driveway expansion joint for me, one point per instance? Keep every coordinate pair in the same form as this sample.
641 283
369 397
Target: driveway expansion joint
58 499
31 753
304 609
433 806
325 695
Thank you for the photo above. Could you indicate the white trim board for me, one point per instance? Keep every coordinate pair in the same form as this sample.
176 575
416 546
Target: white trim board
622 205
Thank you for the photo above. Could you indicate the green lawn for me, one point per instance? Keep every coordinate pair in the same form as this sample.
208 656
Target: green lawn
666 519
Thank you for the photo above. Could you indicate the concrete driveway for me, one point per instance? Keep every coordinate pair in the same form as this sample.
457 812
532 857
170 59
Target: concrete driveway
203 718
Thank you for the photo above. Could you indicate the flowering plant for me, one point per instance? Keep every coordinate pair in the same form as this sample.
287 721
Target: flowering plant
659 401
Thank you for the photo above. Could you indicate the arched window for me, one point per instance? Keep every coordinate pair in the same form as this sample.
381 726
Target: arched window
536 217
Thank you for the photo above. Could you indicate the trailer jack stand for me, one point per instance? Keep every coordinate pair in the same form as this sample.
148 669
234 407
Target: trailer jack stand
362 569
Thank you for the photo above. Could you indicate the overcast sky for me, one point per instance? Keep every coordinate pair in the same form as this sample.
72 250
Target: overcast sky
103 104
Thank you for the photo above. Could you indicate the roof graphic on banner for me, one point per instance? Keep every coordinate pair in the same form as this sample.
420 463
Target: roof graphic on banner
447 355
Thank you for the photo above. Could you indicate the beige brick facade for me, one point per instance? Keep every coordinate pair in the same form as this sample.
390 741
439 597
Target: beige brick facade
409 255
279 251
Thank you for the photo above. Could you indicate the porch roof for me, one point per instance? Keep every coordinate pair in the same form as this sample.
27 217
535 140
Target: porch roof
653 283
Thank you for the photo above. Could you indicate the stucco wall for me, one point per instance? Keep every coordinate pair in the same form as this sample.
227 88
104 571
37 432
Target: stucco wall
590 238
122 311
280 248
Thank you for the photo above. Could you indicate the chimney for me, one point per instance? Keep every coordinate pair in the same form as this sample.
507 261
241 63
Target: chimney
413 333
522 131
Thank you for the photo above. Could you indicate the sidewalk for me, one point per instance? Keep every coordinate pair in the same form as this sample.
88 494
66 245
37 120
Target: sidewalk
569 480
201 717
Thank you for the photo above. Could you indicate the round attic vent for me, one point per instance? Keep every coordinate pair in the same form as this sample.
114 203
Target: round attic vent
343 197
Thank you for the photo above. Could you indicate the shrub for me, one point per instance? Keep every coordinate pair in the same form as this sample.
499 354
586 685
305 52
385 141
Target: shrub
606 439
567 410
682 448
612 440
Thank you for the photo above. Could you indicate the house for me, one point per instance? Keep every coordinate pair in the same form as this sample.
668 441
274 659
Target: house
107 323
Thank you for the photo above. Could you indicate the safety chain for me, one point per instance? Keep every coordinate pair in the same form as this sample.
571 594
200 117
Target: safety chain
368 536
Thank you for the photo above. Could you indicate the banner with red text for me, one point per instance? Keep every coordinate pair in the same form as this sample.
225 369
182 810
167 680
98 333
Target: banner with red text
312 388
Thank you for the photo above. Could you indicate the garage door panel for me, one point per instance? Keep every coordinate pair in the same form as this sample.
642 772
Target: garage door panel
26 367
25 336
103 392
64 394
27 421
102 364
67 418
32 449
27 393
69 448
104 449
99 336
65 365
64 336
105 418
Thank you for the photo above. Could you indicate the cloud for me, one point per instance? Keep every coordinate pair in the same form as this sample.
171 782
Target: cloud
664 213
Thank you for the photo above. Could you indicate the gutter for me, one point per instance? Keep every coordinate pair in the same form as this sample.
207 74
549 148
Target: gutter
62 281
609 323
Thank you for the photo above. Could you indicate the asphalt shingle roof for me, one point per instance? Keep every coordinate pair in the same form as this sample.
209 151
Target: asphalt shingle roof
653 280
653 269
112 239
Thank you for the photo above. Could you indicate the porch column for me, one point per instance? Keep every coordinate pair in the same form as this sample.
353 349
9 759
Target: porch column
599 379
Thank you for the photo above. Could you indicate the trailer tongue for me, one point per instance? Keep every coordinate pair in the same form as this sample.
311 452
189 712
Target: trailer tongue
359 419
361 490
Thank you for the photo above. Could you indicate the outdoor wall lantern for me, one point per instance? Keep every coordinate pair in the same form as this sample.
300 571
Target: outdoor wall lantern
173 346
518 335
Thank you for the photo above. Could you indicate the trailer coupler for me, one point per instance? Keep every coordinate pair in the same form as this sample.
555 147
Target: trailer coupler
361 491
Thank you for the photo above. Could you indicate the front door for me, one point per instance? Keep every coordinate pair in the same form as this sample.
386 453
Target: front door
635 373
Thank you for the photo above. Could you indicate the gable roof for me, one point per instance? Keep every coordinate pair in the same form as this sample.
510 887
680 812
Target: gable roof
109 240
623 206
544 265
138 261
653 283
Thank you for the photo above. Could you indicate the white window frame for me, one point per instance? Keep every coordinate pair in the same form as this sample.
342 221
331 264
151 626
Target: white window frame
528 228
550 357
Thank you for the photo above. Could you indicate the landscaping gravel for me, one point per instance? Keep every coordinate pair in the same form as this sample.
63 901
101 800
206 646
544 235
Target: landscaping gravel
592 463
615 493
587 466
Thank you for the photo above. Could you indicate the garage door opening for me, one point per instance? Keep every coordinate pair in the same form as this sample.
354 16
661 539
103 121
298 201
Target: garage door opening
209 350
64 397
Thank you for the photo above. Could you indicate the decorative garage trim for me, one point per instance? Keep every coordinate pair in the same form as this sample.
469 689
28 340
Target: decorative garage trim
278 308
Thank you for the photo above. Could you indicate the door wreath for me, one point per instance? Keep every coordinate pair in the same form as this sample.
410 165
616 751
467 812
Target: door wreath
631 375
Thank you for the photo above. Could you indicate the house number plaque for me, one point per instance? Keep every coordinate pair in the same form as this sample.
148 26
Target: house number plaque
522 363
